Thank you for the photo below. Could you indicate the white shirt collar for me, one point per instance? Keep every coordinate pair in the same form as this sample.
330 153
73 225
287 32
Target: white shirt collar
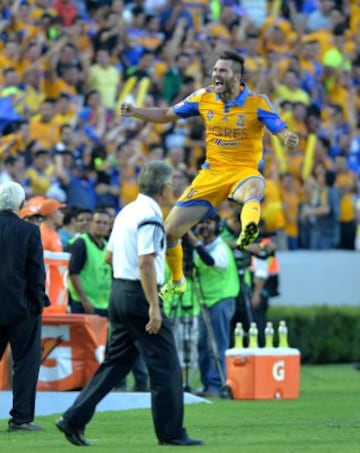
151 202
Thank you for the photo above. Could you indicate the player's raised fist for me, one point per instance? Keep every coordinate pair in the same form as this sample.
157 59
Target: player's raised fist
126 109
292 140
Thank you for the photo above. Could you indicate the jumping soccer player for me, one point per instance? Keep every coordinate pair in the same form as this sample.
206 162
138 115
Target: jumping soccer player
235 119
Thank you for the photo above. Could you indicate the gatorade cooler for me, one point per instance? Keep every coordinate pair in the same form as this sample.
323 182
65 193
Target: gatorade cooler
56 267
257 373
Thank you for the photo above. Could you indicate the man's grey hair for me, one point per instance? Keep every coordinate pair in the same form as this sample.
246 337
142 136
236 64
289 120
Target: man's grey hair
12 196
153 176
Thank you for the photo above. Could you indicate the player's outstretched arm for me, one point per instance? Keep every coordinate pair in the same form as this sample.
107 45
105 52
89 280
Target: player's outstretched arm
288 138
152 114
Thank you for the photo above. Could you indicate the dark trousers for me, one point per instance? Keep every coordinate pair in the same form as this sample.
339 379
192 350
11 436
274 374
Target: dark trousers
25 342
77 308
347 235
128 312
139 369
140 375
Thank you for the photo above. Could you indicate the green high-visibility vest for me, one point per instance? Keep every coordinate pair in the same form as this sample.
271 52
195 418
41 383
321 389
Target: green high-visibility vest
95 276
217 284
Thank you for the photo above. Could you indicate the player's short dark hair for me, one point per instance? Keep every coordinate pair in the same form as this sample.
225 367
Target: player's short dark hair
236 58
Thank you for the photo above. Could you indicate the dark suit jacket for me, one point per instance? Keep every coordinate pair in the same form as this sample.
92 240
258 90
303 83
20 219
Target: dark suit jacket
22 272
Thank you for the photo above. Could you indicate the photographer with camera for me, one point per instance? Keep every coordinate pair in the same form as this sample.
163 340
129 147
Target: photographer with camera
258 270
216 286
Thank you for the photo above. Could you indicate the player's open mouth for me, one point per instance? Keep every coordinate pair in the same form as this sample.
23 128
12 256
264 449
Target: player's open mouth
219 83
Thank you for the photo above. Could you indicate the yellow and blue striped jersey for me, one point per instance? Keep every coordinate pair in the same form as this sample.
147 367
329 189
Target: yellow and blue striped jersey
235 129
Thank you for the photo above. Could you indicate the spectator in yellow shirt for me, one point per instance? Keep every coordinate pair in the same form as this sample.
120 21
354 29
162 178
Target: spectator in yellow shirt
272 208
65 111
290 196
42 128
10 57
346 182
290 89
16 142
38 176
105 78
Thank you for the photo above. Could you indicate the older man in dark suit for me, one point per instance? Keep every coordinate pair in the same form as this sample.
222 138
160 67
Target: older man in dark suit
22 289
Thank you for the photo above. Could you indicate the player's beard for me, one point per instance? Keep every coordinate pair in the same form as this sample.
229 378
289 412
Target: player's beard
227 90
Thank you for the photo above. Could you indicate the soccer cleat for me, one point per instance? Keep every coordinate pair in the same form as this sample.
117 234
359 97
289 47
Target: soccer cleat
172 288
248 235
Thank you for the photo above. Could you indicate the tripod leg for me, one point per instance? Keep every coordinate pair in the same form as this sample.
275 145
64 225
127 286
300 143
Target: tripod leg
187 324
248 305
181 315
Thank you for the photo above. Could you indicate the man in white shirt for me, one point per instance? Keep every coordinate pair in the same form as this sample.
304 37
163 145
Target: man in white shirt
136 251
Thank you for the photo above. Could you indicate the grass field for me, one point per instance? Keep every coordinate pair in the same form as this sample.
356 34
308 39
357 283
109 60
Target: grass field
326 418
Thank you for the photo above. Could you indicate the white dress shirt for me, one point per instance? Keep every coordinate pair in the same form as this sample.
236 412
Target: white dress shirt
138 230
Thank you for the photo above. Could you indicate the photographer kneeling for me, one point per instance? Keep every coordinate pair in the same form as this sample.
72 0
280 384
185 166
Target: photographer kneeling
217 281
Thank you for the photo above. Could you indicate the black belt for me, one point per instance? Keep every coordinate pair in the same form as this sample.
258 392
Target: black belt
131 283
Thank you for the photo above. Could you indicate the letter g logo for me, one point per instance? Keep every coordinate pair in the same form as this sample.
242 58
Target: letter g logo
278 370
61 356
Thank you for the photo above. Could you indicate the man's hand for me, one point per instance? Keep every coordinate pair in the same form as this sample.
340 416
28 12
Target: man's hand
255 248
155 320
255 300
88 307
126 109
193 239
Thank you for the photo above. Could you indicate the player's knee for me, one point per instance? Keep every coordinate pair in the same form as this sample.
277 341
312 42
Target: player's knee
253 194
253 189
171 243
256 189
248 199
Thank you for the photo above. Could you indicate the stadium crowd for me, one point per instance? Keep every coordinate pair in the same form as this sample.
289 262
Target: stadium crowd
66 65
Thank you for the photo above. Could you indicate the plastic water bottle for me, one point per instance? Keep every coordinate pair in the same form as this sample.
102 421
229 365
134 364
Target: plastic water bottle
238 336
269 335
283 335
253 335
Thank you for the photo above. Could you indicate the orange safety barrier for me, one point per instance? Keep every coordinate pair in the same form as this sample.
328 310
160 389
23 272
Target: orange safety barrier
263 373
57 268
5 370
73 346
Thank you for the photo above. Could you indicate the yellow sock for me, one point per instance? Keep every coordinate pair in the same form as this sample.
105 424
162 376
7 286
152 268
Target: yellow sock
174 259
250 213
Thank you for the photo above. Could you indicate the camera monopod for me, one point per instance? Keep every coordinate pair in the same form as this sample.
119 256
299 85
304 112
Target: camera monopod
184 314
246 291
